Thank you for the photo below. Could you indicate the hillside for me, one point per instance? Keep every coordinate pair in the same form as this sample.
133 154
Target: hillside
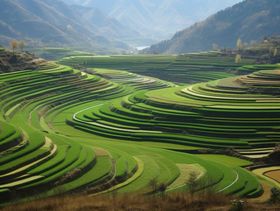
54 23
102 131
188 68
158 19
10 62
250 20
263 52
107 131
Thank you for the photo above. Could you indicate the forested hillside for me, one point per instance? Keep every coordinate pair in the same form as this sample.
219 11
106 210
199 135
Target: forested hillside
250 20
54 23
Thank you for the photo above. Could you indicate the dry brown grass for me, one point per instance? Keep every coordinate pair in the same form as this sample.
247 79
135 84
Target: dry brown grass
170 202
265 196
275 175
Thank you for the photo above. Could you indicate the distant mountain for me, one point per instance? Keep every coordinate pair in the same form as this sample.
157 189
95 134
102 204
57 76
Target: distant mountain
250 20
155 20
103 25
54 23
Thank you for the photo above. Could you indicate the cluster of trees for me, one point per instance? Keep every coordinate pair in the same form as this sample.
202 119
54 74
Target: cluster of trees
239 47
268 49
17 44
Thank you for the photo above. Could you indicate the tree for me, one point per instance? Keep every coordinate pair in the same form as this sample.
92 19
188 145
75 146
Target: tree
14 45
275 195
237 58
239 44
275 53
271 50
21 45
215 47
153 183
162 188
192 182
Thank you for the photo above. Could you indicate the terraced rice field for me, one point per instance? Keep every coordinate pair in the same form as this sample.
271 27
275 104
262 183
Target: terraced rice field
269 174
104 130
190 68
239 112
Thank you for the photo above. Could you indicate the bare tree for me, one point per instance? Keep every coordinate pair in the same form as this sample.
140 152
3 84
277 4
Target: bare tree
239 44
192 182
275 53
215 47
237 58
21 45
14 45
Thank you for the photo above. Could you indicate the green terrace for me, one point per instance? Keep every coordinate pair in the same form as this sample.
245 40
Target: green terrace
189 68
103 130
240 112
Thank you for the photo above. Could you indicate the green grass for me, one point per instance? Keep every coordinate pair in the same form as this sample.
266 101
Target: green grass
226 160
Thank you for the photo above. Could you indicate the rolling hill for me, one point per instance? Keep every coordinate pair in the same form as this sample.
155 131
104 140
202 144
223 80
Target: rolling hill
11 62
250 20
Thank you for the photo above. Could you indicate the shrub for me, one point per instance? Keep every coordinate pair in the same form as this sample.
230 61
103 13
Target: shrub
237 205
275 195
192 182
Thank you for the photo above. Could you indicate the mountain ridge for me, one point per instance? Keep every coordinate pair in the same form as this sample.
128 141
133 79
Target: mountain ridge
250 20
158 19
54 23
